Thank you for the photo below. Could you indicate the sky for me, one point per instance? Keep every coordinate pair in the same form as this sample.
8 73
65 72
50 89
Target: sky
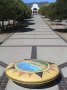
29 1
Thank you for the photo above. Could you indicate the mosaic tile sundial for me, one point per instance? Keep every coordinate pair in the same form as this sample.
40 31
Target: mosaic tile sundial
31 72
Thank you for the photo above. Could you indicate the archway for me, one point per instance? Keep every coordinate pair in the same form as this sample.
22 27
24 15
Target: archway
35 9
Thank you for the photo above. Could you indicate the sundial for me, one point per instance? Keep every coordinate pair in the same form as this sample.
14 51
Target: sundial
32 72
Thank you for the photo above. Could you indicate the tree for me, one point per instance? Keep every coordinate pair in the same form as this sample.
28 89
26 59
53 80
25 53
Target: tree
52 11
57 10
62 7
13 9
43 10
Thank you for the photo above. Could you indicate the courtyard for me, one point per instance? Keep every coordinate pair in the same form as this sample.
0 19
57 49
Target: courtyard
38 42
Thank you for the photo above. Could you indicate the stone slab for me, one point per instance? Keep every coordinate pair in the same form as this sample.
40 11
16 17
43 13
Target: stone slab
64 71
39 27
49 42
19 42
33 36
10 54
42 30
2 69
37 33
21 36
47 36
52 54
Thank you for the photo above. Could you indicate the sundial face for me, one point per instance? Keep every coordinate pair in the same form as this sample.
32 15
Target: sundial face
31 66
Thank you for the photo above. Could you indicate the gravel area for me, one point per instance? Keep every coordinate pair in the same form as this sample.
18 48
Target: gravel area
59 27
64 35
4 36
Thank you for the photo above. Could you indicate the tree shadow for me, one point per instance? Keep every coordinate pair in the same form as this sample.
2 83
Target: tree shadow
27 22
23 29
61 30
19 27
30 20
43 86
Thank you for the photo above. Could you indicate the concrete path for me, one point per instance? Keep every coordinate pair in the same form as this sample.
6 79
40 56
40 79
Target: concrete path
40 42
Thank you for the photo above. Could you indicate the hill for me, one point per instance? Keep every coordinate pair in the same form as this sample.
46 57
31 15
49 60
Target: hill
39 3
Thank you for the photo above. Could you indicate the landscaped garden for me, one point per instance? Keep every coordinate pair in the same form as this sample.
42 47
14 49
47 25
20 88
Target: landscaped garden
12 12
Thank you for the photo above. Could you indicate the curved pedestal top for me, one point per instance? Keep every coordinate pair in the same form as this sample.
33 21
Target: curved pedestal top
32 72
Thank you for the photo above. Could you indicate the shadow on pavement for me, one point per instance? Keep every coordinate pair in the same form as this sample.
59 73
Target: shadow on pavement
23 30
61 30
47 85
19 27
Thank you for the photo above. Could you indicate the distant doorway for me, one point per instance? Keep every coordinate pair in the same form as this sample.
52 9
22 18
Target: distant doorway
35 11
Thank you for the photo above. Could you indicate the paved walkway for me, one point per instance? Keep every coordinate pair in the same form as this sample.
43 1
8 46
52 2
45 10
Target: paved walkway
40 42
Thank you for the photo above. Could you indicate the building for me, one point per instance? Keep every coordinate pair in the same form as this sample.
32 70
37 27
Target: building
35 9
